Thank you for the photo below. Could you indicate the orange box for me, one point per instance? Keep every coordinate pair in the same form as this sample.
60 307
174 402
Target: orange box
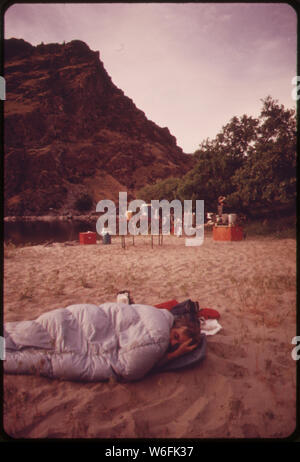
227 233
87 238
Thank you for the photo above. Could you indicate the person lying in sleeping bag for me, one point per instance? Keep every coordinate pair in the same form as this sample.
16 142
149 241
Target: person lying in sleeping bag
95 342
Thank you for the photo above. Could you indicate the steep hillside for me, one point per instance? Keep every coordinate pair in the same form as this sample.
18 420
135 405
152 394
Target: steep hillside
70 131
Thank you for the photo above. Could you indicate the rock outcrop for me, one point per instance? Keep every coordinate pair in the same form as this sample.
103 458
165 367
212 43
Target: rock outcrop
70 132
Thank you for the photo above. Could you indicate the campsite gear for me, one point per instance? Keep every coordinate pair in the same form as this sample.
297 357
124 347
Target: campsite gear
232 217
227 233
106 239
211 217
127 294
187 307
89 343
224 218
123 298
210 326
187 312
88 238
208 313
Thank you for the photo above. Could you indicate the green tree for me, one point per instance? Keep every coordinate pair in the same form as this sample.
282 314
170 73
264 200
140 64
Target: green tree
267 177
163 189
252 161
217 160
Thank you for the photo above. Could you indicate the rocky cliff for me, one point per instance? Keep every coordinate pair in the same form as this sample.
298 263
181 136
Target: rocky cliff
69 131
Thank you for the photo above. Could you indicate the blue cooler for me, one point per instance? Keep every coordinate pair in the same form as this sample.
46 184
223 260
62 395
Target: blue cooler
107 239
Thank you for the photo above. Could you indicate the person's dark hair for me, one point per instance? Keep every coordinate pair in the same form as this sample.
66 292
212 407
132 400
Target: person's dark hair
192 327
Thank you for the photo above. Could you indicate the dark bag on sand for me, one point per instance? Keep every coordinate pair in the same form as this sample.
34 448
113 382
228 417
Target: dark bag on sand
187 310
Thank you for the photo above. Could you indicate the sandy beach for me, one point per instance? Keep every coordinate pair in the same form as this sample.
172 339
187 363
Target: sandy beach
244 388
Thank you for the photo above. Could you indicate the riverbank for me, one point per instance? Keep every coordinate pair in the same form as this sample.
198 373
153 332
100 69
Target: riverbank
246 386
50 218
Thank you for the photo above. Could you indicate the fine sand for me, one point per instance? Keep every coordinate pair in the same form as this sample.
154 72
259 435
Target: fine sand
244 388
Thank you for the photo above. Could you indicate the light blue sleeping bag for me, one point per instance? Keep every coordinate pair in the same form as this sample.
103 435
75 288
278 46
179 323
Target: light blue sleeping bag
88 342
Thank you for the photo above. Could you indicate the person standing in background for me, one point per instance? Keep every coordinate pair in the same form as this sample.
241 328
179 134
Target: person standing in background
220 207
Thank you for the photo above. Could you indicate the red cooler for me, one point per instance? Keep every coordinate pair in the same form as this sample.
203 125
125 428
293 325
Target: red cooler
87 238
227 233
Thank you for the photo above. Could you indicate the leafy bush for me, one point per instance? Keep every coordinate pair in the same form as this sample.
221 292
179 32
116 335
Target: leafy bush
162 189
277 228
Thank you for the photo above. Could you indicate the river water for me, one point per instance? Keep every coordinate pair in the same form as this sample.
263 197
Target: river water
39 232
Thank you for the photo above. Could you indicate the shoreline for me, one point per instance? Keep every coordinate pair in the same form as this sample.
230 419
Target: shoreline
49 218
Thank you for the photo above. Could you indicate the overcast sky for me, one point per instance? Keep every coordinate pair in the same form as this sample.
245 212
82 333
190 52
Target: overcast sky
190 67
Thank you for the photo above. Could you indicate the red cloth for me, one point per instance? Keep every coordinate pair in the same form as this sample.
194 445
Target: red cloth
208 313
167 305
